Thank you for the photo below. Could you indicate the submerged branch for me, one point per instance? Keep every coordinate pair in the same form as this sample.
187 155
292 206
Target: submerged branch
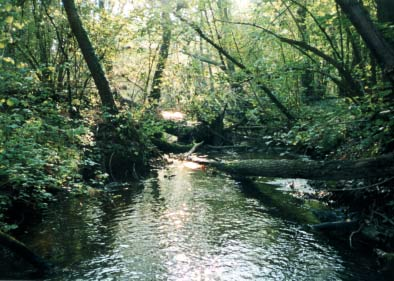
21 250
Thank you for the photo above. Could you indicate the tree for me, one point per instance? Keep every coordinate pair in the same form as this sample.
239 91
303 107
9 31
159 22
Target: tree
372 37
90 56
307 75
243 67
385 10
154 95
385 14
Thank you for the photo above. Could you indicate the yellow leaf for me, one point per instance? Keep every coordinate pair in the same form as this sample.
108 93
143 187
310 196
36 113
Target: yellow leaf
9 19
22 65
75 102
18 25
2 45
10 103
8 59
8 7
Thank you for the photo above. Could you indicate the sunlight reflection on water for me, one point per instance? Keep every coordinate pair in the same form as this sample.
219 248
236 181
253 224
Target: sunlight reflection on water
188 224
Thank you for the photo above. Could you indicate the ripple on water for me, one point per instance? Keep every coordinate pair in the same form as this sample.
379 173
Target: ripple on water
190 226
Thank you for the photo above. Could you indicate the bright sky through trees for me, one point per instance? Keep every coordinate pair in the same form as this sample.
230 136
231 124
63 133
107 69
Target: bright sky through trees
125 6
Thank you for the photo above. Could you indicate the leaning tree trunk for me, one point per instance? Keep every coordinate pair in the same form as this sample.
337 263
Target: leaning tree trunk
247 71
90 56
370 34
382 166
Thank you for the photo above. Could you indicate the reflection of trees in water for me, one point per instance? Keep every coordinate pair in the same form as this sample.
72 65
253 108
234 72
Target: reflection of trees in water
191 222
278 204
78 229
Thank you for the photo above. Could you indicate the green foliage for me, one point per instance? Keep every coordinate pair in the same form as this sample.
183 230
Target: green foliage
125 142
343 130
40 153
319 131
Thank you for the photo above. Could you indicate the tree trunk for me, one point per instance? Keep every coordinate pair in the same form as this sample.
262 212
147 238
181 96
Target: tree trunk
247 71
90 56
155 93
370 34
307 75
385 10
382 166
101 4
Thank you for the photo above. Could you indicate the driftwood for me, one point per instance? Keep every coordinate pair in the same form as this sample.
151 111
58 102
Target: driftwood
382 166
21 250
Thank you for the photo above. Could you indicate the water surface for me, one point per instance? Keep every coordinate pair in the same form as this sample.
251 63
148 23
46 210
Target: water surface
185 224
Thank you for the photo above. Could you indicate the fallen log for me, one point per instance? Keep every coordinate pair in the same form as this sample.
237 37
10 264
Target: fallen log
21 250
184 132
386 261
342 226
233 147
167 147
381 166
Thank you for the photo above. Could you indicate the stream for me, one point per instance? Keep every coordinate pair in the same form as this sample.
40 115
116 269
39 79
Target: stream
184 223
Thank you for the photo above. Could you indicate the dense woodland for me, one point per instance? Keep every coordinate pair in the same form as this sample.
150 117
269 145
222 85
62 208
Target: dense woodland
83 85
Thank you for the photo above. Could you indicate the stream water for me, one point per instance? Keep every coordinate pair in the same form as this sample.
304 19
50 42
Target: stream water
185 224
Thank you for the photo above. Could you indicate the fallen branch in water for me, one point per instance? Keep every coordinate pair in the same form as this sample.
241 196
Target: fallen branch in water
21 250
378 167
343 226
192 150
223 147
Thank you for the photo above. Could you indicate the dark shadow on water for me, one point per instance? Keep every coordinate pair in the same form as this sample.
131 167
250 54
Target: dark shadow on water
278 203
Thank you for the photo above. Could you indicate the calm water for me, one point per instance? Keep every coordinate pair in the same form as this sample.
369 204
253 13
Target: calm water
186 224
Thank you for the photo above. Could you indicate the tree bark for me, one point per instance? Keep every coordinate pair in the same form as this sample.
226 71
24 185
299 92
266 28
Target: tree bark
382 166
307 75
155 93
90 56
372 37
